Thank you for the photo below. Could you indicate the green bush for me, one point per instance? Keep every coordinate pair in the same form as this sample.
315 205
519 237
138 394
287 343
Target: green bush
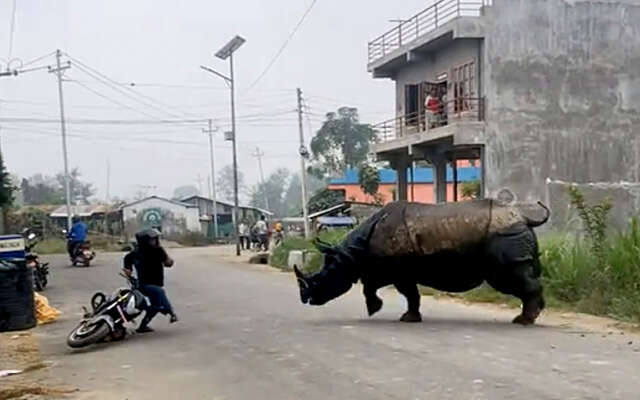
280 254
574 276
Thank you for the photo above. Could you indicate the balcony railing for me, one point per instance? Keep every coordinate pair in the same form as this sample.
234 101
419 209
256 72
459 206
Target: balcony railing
470 109
438 14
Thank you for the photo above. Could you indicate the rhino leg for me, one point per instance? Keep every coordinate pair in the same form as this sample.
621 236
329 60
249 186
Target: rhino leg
523 282
374 303
410 291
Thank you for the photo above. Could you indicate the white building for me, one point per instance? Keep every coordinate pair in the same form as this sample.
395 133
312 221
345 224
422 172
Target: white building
171 217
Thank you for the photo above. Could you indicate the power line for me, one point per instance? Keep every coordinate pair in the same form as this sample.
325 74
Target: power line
35 60
110 99
103 121
118 89
284 45
132 93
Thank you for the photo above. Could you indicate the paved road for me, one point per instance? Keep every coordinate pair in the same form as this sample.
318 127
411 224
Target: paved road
243 334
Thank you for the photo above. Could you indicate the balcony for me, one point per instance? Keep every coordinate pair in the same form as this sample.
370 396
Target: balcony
423 23
461 119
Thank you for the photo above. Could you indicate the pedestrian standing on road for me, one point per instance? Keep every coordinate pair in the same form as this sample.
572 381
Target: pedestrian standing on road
149 260
263 233
243 233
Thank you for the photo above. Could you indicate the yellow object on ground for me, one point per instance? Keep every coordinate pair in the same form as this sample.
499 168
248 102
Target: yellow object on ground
44 312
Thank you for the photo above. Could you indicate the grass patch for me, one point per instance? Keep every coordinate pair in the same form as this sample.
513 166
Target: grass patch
59 245
51 246
606 284
192 239
280 254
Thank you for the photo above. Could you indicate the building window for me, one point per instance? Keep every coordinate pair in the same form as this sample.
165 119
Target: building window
464 84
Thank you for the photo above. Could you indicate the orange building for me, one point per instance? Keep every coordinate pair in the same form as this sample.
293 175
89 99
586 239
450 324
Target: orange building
420 188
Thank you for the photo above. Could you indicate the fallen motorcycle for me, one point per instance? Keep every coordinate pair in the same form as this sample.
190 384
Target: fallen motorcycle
106 321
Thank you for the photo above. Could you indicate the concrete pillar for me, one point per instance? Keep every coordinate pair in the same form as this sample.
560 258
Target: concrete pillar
439 178
401 164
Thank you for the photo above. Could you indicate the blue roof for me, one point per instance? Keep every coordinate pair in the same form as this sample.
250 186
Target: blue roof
420 175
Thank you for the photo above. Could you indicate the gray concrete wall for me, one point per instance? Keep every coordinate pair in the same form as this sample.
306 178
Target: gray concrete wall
562 78
622 196
461 51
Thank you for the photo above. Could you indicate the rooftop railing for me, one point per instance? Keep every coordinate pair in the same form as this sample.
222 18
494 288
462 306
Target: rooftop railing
438 14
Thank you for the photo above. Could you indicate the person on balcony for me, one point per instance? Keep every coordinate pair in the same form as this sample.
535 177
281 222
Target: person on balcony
433 109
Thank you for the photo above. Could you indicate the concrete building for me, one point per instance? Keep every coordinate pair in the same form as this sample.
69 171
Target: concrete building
224 209
545 93
171 217
419 185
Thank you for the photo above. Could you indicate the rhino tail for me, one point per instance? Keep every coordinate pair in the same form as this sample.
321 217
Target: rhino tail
532 223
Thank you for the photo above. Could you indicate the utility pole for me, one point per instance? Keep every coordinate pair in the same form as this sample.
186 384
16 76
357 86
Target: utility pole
303 170
212 191
258 154
108 196
199 180
59 71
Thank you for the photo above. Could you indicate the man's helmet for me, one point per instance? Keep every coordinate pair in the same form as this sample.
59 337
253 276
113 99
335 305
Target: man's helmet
148 238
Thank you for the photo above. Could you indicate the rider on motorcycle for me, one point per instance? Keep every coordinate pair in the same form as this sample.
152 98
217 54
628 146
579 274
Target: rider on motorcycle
76 236
149 259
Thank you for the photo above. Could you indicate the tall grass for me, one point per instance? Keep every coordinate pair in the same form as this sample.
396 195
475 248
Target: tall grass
574 276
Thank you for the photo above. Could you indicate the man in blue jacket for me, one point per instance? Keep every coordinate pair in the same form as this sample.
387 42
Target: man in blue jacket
76 236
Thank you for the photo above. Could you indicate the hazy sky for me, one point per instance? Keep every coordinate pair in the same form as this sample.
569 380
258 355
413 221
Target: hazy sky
160 45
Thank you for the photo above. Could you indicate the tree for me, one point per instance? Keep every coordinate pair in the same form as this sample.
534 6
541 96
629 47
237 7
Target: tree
43 189
224 184
325 198
185 191
369 179
274 189
6 187
80 191
342 142
471 189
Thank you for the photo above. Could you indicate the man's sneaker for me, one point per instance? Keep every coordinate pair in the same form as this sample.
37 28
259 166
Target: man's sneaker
144 329
173 318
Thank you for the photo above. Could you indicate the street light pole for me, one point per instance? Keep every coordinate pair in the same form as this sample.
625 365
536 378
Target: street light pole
224 53
235 156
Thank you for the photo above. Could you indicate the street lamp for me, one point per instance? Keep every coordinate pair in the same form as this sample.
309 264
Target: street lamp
227 53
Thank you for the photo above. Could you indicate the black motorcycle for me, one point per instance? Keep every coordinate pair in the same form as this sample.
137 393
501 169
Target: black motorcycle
40 270
106 321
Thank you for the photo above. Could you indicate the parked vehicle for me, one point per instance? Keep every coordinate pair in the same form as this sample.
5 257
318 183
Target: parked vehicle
40 270
109 315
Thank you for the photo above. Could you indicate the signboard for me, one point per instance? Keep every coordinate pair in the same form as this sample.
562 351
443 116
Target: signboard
12 246
152 217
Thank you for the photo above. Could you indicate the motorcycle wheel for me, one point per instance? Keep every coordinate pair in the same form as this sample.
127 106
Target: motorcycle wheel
97 300
37 282
84 334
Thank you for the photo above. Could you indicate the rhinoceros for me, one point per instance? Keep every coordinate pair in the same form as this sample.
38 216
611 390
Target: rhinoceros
452 247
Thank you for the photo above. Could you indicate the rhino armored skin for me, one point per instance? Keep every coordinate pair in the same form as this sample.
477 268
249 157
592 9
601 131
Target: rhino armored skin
452 247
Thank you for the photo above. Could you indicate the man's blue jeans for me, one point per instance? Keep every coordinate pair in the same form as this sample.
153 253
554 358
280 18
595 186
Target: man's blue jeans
159 302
